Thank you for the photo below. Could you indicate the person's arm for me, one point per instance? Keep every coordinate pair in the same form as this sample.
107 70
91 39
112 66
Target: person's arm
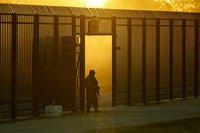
98 91
98 88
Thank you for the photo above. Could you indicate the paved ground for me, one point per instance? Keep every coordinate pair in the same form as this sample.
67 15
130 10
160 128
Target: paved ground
123 116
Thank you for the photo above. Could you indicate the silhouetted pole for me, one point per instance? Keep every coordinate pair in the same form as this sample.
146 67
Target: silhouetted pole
184 57
35 66
82 63
75 88
196 74
129 72
55 56
14 65
114 37
158 60
171 57
144 30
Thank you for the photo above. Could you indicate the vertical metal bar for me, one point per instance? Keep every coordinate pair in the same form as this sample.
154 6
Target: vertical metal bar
171 59
14 65
158 60
184 57
56 30
1 82
144 61
74 35
129 72
35 67
196 74
73 25
0 45
114 43
82 63
55 52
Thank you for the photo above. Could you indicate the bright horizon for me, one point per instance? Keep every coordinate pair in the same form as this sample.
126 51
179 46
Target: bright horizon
164 5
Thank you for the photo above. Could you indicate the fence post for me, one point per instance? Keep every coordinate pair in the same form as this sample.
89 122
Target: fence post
0 52
171 59
55 53
74 35
158 60
184 56
35 66
114 37
14 65
0 38
82 62
129 72
144 61
73 25
196 74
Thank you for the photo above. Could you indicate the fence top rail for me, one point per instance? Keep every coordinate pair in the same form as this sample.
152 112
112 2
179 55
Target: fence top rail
90 12
100 17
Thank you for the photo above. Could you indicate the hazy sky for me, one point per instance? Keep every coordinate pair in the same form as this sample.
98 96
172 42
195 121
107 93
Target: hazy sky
122 4
108 3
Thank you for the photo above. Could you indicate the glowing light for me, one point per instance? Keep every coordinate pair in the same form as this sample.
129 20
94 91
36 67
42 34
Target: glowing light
179 5
164 5
98 56
94 3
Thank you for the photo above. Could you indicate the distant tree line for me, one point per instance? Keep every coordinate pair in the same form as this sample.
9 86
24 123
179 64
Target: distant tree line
179 5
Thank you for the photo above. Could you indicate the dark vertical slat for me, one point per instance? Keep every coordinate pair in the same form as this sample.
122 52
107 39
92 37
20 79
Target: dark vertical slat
74 35
158 60
0 47
144 61
114 37
196 78
171 59
55 52
1 89
35 67
14 65
184 57
73 25
82 63
129 59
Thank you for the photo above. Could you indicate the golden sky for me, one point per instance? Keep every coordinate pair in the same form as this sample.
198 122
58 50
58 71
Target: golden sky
83 3
175 5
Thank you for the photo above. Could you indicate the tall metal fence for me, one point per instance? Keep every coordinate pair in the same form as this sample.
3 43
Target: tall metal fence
38 64
160 59
155 56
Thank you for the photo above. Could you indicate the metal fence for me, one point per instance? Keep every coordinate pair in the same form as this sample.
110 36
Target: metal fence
160 59
38 64
155 57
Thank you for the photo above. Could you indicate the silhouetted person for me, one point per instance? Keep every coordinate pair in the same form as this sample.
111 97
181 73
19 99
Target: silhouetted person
92 91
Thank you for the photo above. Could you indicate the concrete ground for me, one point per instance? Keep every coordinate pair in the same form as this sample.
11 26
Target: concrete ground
121 116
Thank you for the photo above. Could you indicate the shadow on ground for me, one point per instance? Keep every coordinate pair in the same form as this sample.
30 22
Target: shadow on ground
178 126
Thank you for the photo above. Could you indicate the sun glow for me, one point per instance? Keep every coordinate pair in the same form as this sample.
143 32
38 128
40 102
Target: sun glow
162 5
94 3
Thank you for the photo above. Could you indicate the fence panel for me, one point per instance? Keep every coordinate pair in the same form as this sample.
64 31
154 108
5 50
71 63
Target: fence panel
136 61
121 64
151 61
164 59
190 50
178 59
5 66
24 66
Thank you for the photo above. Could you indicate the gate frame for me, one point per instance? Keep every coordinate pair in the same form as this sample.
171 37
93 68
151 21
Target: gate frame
82 58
